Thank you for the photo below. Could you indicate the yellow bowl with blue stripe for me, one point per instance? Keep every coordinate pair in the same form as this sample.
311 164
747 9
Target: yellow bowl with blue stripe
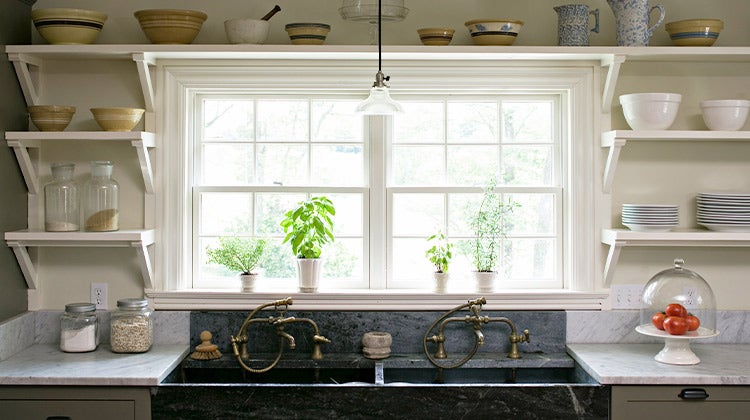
68 26
302 33
694 32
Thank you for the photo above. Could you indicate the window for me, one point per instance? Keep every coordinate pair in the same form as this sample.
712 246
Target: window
257 138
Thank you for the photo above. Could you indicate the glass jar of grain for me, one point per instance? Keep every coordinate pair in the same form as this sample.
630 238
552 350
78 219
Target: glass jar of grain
61 200
79 328
131 326
100 199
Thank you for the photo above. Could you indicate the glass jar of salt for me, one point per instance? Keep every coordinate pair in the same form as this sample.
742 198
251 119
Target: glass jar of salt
79 328
100 199
61 200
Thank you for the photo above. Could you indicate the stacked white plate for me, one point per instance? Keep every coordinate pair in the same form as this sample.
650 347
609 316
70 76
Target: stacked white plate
650 217
724 212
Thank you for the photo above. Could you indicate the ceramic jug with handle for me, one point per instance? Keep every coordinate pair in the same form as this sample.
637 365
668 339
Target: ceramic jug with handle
632 18
573 24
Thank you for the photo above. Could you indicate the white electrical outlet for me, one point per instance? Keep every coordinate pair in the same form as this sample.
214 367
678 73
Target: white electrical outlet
99 295
690 297
626 296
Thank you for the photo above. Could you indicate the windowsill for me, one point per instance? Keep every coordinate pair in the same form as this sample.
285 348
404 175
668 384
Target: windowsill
366 300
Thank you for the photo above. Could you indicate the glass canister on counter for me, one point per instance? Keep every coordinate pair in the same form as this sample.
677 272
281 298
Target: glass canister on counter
61 213
100 199
131 326
79 328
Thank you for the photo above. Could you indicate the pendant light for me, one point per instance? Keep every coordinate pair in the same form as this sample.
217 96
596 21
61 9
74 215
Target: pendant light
379 102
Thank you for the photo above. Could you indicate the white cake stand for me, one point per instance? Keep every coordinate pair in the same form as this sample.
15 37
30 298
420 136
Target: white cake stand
676 349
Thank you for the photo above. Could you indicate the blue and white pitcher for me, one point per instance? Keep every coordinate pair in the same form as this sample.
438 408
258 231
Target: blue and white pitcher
631 18
573 24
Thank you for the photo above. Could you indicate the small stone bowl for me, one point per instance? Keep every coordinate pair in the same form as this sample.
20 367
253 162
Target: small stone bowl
246 31
376 345
435 36
51 117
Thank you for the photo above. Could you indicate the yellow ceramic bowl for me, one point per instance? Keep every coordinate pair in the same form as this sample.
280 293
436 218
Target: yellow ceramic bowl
494 31
694 32
68 26
435 36
307 33
117 119
51 117
170 26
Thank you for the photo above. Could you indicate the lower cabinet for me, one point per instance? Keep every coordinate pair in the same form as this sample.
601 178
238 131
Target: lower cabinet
74 403
680 402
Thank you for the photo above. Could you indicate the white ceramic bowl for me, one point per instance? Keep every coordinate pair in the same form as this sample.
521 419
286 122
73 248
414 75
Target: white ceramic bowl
650 111
246 31
725 114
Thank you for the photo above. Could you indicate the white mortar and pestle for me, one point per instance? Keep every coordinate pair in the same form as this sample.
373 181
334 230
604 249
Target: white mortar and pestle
249 31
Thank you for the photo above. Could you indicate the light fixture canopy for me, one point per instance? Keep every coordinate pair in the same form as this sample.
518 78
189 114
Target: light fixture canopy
379 102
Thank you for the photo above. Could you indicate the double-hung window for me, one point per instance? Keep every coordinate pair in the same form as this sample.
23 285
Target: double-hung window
251 141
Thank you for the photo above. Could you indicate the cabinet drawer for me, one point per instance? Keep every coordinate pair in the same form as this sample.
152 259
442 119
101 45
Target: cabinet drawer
64 409
663 402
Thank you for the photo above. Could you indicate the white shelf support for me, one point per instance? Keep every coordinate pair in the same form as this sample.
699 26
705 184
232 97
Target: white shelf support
615 145
21 63
28 170
27 264
147 271
145 164
613 63
612 257
147 86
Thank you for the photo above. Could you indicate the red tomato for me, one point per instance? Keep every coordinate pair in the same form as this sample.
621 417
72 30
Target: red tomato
675 325
658 320
675 309
693 322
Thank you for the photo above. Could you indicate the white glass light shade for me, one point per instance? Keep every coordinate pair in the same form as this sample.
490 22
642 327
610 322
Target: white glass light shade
379 103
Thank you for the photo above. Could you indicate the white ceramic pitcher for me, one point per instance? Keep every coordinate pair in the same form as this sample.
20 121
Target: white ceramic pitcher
631 18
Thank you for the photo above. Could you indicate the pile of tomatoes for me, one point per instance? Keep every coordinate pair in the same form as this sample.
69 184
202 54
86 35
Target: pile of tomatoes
675 320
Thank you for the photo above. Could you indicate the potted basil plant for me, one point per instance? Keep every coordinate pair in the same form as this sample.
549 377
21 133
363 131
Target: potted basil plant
242 255
439 255
308 227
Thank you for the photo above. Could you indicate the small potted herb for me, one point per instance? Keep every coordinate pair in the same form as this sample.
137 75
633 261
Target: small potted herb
242 255
308 227
439 254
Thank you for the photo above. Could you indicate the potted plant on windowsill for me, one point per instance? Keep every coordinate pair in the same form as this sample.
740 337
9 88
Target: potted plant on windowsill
490 229
308 227
439 254
242 255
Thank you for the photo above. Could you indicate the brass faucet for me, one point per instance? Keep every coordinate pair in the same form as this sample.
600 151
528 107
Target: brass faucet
240 341
476 321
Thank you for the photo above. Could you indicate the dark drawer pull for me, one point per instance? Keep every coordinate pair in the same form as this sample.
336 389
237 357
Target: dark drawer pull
693 394
59 418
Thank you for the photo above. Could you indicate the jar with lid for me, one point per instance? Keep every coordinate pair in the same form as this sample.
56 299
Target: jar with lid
131 326
61 212
100 199
79 328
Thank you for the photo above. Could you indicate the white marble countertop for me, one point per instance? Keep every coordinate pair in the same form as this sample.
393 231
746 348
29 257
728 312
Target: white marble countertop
45 364
634 364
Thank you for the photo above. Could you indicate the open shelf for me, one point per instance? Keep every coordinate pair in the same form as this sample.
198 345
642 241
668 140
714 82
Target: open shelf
21 141
21 240
620 238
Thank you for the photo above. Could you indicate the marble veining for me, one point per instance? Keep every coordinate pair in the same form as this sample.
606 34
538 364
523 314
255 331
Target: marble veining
16 334
45 364
634 364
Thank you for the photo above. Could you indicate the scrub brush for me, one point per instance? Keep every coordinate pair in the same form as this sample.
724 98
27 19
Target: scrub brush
205 350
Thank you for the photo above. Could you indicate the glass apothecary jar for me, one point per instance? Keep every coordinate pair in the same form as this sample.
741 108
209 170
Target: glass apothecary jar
100 199
61 211
131 326
79 328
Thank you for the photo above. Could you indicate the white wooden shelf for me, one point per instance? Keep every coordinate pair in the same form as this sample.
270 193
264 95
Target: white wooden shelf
620 238
21 141
21 240
617 139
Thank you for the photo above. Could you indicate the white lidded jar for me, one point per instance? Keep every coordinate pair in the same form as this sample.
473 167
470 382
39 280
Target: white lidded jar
100 199
79 328
61 213
131 326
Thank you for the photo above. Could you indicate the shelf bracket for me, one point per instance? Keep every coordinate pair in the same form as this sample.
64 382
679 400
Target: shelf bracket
615 145
612 256
27 166
26 263
613 63
147 270
21 63
142 62
145 164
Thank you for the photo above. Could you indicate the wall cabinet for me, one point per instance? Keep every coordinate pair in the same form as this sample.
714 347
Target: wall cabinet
680 402
80 403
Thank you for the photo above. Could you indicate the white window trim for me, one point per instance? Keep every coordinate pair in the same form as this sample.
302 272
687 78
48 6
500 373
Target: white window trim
178 77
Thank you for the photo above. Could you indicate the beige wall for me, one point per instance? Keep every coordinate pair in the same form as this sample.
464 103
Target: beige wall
647 173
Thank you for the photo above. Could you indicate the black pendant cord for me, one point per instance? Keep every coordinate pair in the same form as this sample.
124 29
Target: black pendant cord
380 36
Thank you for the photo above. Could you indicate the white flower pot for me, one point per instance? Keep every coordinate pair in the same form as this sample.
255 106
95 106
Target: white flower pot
485 281
441 281
308 270
248 282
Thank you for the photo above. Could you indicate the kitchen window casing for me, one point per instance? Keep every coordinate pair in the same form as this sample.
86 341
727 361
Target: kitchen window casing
570 88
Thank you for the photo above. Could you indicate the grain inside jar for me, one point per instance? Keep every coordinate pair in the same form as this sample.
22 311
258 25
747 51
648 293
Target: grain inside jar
131 327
